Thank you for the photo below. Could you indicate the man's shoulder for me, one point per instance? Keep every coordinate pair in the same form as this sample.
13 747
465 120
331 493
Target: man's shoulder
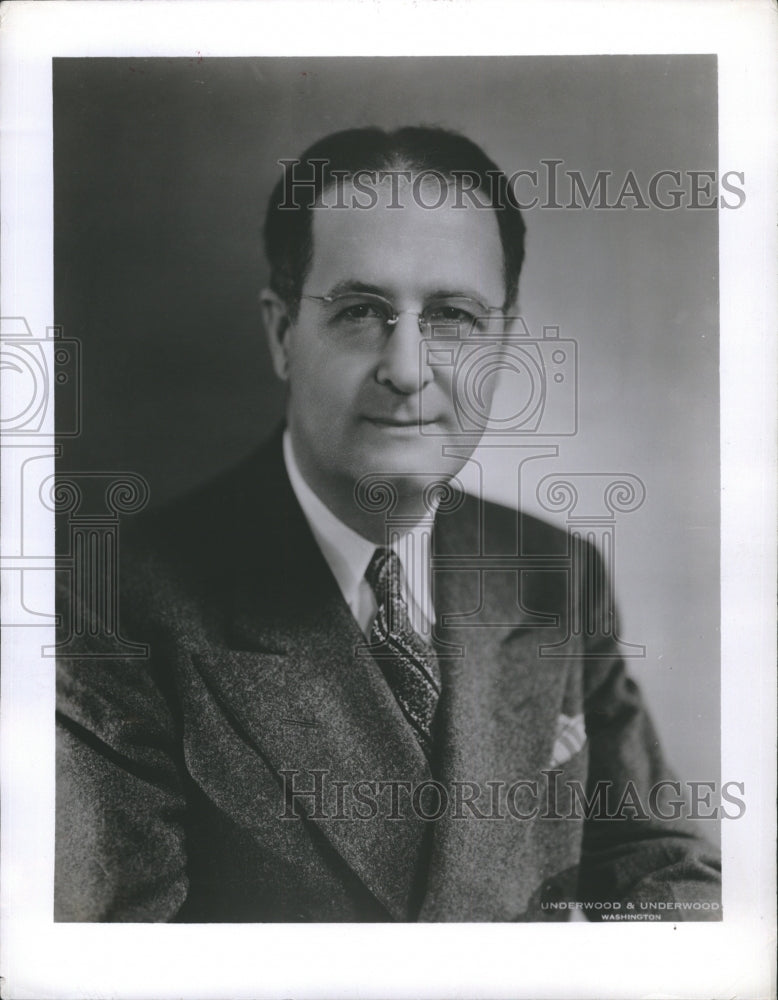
220 505
505 529
537 528
201 538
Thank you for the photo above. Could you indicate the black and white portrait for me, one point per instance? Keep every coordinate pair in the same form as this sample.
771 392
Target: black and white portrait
384 465
351 675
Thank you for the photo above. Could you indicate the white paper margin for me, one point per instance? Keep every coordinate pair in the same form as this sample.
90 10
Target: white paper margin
731 959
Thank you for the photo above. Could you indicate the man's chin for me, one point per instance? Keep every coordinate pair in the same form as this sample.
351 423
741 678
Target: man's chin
408 457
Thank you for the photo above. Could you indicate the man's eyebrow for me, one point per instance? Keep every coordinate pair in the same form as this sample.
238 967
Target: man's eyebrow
458 293
349 285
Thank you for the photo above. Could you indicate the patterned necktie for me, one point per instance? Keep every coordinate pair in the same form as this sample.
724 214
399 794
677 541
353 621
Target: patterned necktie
409 664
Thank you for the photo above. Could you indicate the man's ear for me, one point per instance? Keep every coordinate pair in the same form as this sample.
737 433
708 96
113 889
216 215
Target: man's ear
275 320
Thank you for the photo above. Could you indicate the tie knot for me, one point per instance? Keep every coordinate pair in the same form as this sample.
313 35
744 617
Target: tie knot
383 572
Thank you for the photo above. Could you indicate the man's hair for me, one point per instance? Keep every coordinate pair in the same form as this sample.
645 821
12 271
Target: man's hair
337 157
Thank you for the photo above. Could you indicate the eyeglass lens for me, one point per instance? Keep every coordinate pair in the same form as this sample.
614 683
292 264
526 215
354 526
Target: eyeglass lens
451 316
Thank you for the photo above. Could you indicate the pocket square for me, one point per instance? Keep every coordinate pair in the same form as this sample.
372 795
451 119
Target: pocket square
570 738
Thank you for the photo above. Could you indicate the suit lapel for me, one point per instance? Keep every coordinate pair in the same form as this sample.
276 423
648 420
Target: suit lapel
297 687
496 724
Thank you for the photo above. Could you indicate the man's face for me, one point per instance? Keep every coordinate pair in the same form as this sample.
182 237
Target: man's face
368 402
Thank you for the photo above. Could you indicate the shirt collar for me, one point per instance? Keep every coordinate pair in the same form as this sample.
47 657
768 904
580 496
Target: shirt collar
348 553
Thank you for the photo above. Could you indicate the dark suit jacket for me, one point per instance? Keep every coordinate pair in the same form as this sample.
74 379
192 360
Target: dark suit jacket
171 768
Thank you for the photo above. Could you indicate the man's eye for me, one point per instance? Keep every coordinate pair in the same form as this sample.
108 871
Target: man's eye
360 312
451 314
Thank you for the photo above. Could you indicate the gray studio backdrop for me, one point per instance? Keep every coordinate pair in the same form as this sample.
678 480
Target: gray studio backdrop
162 170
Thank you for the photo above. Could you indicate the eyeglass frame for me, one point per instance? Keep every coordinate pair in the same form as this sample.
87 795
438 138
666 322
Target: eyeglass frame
395 314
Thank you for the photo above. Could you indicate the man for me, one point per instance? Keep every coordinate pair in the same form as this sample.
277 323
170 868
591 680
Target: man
349 711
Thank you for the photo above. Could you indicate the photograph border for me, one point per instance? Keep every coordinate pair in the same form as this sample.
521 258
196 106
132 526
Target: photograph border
42 958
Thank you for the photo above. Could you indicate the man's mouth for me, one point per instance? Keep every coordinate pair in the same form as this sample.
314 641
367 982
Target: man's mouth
394 421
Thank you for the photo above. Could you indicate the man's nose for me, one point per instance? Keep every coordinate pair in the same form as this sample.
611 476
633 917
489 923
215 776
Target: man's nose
402 365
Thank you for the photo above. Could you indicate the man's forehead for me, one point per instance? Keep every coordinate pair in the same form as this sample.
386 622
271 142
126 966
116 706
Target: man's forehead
393 223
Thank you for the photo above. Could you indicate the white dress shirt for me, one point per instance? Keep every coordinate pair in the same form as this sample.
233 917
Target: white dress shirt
348 555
